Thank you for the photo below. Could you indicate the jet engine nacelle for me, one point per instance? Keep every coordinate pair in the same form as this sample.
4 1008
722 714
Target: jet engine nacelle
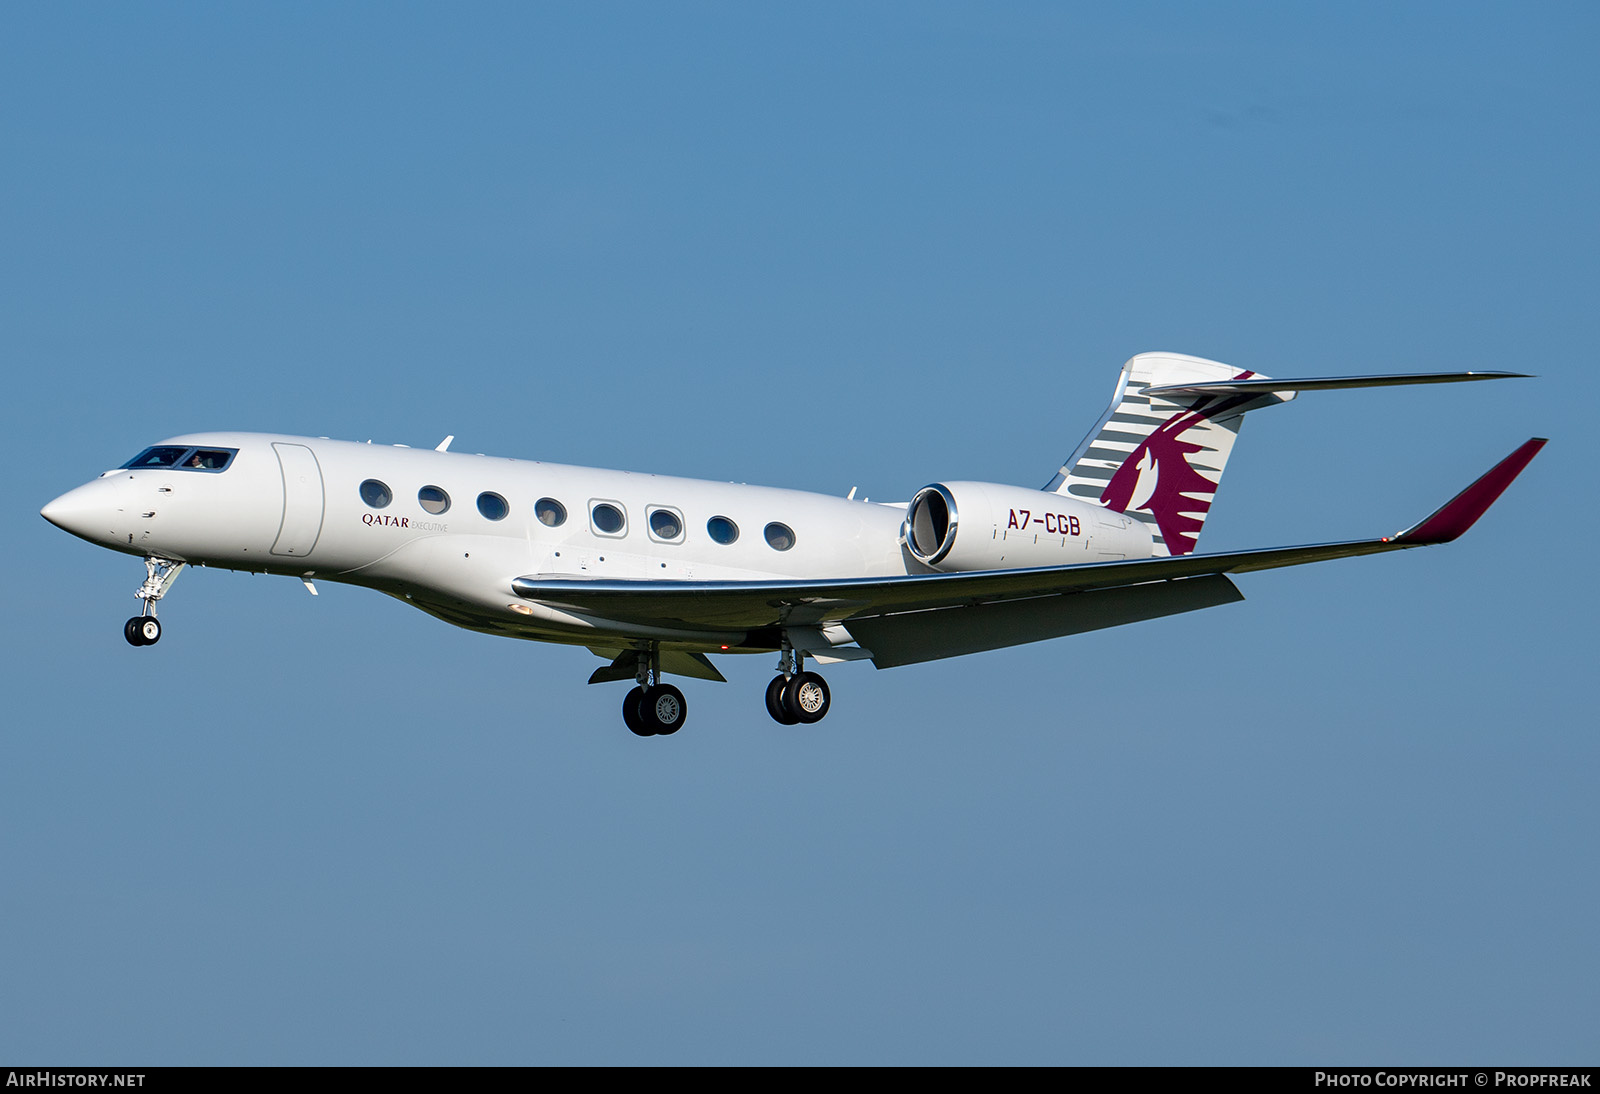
986 526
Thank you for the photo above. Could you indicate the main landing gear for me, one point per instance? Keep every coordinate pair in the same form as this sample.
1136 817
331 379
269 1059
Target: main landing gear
144 629
653 709
794 696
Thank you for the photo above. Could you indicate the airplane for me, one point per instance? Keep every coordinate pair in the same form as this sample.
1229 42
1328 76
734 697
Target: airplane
654 573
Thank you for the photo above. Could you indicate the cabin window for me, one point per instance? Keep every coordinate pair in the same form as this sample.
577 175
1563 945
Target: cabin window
780 537
551 513
723 530
376 494
493 506
433 499
608 518
665 524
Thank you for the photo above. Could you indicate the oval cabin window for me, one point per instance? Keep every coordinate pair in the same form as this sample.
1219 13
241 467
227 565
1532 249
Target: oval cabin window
493 506
551 513
376 494
608 519
665 524
433 499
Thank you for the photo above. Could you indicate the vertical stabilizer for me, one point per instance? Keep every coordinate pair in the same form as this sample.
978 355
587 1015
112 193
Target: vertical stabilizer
1160 457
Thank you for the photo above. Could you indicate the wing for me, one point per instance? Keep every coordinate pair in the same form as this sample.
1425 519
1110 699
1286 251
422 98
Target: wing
885 613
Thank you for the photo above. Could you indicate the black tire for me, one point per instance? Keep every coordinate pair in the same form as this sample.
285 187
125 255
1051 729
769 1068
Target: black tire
663 709
775 707
149 630
630 713
806 698
130 631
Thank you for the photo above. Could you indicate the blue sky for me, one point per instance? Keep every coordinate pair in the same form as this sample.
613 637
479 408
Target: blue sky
1351 819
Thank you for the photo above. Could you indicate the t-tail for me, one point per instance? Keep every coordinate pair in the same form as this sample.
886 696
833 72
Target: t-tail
1159 451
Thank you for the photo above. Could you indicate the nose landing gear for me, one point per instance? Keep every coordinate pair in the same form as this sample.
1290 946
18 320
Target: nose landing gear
144 629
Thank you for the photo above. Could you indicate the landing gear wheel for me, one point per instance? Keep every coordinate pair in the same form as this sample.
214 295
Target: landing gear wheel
662 709
775 707
142 630
806 697
630 713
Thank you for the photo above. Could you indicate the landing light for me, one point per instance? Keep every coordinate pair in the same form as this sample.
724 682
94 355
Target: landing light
520 609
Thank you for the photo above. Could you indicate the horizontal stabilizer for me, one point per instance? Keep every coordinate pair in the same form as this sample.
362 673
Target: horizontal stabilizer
1325 383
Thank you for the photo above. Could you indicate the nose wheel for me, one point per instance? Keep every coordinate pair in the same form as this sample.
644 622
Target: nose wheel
144 629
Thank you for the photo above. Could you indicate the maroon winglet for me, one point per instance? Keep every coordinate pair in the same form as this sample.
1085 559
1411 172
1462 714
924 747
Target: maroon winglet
1462 511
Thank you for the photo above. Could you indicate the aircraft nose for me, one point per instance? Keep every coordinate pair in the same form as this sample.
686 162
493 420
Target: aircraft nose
85 512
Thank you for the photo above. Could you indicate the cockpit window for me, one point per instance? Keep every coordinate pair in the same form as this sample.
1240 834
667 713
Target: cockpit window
157 457
208 459
183 459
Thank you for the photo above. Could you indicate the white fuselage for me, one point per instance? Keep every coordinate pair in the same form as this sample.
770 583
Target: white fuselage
295 505
292 505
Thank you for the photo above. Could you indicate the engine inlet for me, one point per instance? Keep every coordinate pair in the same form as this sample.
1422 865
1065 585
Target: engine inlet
931 524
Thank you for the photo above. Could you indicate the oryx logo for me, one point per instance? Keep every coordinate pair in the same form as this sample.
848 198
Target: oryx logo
1157 478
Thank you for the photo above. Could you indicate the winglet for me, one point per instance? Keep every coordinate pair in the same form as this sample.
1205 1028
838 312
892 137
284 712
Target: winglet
1462 511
